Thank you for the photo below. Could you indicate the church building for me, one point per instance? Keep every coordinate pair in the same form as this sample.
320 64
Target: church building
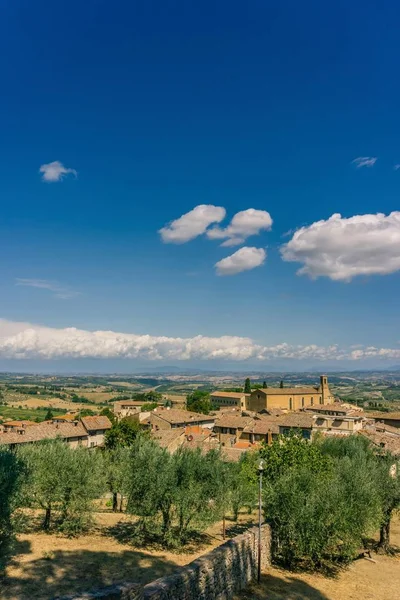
290 398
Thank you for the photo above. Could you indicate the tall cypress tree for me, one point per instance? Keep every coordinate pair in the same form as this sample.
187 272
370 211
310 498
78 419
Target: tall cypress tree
247 386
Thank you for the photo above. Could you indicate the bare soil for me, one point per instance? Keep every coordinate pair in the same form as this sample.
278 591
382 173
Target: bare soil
46 566
361 580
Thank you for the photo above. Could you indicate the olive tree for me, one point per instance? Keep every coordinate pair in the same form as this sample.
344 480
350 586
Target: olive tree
11 471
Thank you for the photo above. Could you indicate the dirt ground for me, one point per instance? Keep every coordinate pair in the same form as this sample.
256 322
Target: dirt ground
46 566
362 580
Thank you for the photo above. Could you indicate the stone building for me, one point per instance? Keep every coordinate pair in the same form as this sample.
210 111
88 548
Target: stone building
290 398
170 418
220 399
337 419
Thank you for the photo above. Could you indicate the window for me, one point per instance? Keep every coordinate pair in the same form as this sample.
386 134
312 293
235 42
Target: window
302 402
312 401
290 404
320 399
232 431
258 396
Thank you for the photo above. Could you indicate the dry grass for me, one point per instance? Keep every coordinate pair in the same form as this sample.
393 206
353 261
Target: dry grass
47 565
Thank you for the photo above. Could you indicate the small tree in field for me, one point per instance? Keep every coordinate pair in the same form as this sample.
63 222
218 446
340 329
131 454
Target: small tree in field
198 498
247 386
242 486
63 482
11 472
46 464
150 483
115 463
82 484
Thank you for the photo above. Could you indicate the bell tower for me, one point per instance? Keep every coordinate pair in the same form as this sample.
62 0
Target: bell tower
325 391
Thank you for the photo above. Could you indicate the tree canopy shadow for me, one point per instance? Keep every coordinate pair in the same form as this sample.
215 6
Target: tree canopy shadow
285 588
65 572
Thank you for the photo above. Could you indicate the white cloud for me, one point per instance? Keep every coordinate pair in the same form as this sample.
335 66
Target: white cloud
60 291
396 167
341 248
242 260
244 224
192 224
55 171
27 341
364 161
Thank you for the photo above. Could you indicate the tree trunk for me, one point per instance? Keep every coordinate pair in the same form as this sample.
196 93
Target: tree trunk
384 537
115 501
47 519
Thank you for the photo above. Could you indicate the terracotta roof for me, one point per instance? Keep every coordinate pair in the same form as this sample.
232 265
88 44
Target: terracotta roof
380 416
176 416
384 441
288 391
164 437
301 420
121 403
264 426
338 407
234 421
43 431
96 422
18 423
228 394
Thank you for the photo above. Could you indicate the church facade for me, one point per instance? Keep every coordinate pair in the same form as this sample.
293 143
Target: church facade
290 398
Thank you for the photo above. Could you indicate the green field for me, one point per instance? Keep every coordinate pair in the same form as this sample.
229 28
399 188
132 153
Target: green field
28 414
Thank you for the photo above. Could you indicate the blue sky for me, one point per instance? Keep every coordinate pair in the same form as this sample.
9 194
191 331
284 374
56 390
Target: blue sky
161 107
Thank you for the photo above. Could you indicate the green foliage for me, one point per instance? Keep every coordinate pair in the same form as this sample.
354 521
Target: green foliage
151 396
182 491
63 482
293 452
247 386
199 401
49 415
115 464
86 412
149 406
11 476
242 483
122 433
281 384
79 399
107 412
264 385
321 498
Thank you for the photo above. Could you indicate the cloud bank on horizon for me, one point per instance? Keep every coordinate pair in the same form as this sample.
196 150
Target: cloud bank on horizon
28 341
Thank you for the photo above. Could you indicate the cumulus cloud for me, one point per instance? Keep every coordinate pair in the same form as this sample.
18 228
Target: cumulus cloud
192 224
245 259
28 341
341 248
55 171
59 291
244 224
364 161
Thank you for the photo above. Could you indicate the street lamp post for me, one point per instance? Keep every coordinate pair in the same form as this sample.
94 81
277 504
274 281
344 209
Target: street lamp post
260 475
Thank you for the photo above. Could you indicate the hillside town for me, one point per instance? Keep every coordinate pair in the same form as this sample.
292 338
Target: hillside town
239 422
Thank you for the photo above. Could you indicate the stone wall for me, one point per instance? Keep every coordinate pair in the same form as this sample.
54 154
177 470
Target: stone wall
218 575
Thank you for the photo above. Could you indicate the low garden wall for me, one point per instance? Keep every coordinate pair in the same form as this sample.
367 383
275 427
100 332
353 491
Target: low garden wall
217 575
